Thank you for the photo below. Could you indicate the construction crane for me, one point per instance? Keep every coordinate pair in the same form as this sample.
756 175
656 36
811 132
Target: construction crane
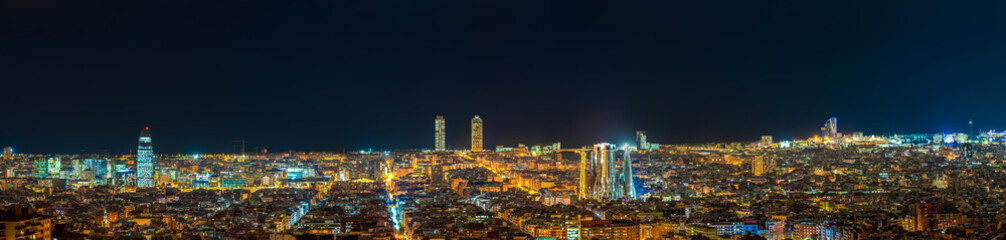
243 142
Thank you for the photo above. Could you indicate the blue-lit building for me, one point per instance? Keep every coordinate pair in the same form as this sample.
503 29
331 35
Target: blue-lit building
628 188
145 160
41 168
233 182
101 170
738 228
830 129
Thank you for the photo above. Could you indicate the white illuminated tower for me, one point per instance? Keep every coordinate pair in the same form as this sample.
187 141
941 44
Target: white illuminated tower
628 188
606 181
439 134
476 134
145 160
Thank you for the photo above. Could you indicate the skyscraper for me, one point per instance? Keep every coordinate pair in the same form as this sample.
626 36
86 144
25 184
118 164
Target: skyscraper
439 134
8 153
101 170
830 129
641 143
55 164
41 168
628 188
585 188
476 134
145 160
604 163
766 140
759 166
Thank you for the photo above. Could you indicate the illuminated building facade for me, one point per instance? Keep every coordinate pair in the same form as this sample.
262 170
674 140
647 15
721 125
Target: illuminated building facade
641 143
612 230
628 188
760 165
439 132
48 168
477 134
101 170
604 166
766 140
585 189
8 153
830 129
41 168
22 223
145 160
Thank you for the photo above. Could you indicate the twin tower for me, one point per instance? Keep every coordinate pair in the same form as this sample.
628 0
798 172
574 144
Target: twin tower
599 178
439 129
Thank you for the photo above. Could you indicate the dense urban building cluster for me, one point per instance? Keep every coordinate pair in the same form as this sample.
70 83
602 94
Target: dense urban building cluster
832 186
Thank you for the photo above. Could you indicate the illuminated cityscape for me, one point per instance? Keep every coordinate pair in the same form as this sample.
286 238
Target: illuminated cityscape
608 120
852 186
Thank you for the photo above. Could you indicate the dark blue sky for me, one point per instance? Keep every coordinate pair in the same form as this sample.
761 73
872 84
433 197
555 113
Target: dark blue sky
332 75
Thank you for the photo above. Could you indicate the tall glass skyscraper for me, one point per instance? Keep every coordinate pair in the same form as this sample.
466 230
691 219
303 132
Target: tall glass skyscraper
641 143
830 129
628 188
476 134
439 130
145 160
605 181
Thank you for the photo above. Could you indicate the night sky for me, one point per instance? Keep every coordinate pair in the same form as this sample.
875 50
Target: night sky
86 76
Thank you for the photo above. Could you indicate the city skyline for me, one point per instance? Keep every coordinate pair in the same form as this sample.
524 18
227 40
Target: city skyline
440 121
551 120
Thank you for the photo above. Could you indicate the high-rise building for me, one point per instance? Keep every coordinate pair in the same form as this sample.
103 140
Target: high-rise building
101 170
830 129
8 153
760 165
476 134
41 168
641 143
439 133
605 181
628 188
55 164
145 160
586 181
766 140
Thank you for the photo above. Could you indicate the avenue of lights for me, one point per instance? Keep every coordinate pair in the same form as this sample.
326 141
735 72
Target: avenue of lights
828 186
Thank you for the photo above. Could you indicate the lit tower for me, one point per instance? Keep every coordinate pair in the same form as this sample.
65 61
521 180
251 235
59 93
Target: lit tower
604 160
439 134
585 168
830 129
476 134
641 143
8 153
628 188
145 160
